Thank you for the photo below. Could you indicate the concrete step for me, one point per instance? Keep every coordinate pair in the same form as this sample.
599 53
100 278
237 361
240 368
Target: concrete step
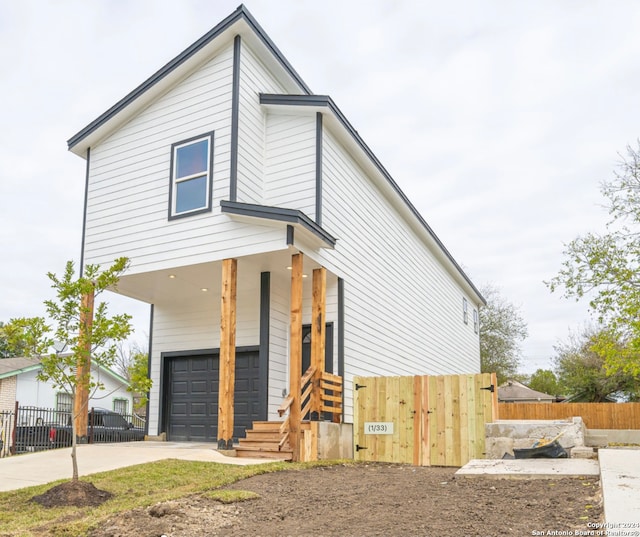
583 452
596 440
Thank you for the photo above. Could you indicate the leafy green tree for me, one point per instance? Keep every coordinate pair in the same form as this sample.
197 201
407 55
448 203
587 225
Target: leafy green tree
582 368
545 381
82 335
22 337
501 331
132 363
606 268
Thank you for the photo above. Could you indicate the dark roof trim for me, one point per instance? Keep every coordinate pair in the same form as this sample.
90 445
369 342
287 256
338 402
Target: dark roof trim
235 119
326 102
241 13
292 216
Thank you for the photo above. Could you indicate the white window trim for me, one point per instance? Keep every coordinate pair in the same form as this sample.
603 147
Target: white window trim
174 181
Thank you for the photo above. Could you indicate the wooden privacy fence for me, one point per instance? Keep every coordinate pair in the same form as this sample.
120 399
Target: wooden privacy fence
594 415
423 420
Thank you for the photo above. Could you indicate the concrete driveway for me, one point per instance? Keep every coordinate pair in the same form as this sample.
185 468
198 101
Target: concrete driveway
29 469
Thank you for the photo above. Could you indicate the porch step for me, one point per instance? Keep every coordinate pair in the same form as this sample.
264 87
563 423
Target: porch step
262 442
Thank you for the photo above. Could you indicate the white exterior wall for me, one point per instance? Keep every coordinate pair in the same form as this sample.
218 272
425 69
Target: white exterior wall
412 323
254 79
290 162
32 392
403 310
194 326
279 327
128 198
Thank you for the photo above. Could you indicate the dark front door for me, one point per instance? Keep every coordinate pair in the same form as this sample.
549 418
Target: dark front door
191 391
328 348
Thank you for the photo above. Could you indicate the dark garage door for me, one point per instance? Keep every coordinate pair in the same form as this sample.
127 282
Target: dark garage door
192 396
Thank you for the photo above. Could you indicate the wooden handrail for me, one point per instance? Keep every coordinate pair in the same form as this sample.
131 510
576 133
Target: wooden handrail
307 376
286 404
328 383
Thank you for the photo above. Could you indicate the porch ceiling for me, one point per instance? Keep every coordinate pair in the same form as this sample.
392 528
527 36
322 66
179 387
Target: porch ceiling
193 283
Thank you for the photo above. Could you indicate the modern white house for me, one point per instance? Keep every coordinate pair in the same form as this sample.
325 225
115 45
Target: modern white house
255 215
19 384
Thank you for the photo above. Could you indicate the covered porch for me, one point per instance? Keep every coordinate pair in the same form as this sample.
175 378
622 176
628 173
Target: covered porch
273 305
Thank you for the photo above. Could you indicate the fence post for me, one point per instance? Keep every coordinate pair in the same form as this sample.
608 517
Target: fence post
14 430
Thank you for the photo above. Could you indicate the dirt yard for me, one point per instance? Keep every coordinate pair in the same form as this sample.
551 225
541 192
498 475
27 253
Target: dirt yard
374 500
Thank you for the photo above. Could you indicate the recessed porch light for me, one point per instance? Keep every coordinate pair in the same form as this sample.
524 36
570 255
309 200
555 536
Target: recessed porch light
172 276
204 289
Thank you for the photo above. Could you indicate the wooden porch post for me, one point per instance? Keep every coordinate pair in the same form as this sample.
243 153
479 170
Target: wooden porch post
318 337
83 368
295 354
227 353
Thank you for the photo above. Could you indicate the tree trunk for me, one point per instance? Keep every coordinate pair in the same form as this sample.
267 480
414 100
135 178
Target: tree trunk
74 458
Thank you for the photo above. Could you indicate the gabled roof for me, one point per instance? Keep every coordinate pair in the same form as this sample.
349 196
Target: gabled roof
298 94
239 22
10 367
515 391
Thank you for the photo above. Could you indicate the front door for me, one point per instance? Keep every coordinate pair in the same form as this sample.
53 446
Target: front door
328 348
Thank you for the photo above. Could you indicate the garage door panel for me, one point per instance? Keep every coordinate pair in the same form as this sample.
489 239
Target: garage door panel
193 396
199 387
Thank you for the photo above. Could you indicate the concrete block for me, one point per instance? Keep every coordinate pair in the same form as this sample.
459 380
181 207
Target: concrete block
615 436
503 436
335 440
596 440
583 452
529 468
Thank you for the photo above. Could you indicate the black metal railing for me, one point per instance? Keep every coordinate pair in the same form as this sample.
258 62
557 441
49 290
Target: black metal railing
35 429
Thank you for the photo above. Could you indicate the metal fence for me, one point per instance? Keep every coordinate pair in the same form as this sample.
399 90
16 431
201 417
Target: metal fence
28 429
6 427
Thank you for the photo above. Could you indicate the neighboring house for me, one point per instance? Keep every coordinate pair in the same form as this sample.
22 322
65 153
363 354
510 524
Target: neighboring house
513 391
19 383
212 175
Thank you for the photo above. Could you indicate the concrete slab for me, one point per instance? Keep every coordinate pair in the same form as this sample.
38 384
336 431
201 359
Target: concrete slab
620 482
529 468
20 471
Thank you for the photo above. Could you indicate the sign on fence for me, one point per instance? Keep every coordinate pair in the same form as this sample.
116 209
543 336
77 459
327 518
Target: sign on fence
423 420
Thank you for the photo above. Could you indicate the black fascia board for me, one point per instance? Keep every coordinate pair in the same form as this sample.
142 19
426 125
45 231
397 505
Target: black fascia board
327 102
280 214
240 13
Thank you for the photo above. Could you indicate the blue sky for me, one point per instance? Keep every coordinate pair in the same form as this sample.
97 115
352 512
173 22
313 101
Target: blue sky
498 119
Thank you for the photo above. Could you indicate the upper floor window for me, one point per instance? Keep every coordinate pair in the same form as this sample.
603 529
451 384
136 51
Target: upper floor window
465 311
476 322
191 176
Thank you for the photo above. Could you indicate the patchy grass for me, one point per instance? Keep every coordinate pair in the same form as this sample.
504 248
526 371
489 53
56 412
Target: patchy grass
135 486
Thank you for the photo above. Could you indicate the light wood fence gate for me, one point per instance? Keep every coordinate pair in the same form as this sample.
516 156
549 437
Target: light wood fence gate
423 420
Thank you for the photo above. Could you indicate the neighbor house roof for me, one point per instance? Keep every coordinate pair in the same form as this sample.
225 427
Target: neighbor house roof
10 367
514 391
